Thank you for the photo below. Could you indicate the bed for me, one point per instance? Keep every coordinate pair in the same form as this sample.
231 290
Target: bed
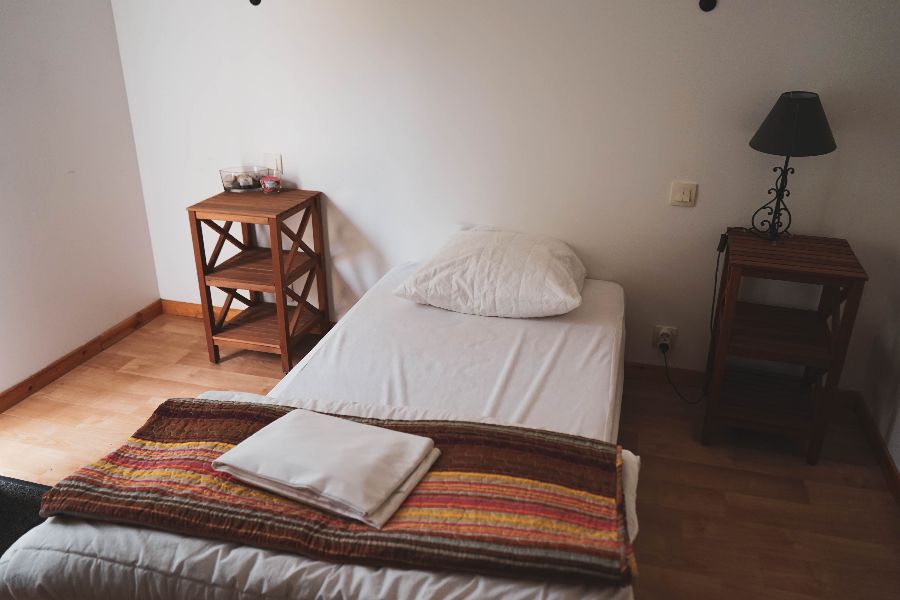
387 358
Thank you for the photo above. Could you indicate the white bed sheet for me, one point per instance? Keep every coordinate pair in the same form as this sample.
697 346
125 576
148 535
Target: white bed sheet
560 373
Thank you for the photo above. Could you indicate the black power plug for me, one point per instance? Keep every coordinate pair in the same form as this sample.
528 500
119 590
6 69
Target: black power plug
664 343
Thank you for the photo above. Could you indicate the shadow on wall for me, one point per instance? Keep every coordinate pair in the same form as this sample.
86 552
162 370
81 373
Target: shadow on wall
882 370
355 263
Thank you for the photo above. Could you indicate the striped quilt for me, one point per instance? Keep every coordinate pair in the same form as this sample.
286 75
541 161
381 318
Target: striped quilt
501 500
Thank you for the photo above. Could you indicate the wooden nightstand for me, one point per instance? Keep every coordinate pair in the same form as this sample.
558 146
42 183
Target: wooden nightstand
274 327
814 339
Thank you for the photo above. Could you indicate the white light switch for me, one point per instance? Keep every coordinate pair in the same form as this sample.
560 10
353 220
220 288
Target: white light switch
683 193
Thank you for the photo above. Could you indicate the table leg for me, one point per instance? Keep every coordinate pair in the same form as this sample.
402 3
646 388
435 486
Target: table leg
205 296
248 236
280 296
729 298
319 247
717 314
840 339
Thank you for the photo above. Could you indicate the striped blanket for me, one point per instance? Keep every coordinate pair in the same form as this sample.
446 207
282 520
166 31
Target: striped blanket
501 500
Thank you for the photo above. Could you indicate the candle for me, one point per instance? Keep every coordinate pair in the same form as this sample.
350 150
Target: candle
270 183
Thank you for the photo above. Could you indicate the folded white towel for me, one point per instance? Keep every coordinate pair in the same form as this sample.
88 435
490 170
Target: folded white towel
351 469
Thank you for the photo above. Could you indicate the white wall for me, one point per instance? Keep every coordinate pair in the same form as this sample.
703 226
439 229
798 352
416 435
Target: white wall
864 205
74 247
569 119
413 117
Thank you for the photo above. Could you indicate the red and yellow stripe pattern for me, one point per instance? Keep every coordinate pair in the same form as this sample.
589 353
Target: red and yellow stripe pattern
500 501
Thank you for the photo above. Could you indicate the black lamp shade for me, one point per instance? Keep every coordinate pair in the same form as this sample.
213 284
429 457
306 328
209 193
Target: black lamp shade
796 126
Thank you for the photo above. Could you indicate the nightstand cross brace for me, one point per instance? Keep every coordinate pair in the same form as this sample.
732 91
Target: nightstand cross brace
297 238
220 243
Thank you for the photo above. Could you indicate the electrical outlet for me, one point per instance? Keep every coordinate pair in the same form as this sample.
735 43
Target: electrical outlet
665 334
683 193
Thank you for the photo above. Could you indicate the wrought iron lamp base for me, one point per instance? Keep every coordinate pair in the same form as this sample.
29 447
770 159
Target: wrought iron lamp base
773 219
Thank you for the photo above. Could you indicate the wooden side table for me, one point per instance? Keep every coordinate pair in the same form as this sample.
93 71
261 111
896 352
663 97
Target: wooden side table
814 339
274 327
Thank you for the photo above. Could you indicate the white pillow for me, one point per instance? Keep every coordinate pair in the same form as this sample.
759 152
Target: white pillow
496 273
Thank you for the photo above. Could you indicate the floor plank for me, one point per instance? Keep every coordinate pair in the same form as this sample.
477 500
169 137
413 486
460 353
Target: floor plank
745 518
768 525
92 409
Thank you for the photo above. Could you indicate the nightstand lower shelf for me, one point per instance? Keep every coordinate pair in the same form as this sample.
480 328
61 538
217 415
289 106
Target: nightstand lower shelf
257 328
252 270
768 401
781 334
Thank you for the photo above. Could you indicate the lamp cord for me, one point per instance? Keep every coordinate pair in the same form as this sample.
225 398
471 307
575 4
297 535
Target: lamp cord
675 387
664 348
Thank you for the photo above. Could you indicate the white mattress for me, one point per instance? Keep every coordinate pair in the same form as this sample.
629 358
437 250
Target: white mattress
560 373
394 360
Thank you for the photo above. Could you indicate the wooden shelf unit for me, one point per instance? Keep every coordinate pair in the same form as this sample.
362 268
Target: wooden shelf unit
267 326
781 334
252 270
817 339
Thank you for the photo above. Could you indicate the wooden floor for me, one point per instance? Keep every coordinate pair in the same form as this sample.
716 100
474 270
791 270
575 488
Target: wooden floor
744 518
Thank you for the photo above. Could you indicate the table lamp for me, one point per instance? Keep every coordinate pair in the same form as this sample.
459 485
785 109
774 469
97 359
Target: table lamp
796 126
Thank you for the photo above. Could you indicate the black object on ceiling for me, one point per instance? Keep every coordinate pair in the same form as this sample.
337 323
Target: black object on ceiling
707 5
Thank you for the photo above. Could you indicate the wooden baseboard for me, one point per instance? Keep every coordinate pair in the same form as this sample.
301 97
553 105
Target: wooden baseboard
888 466
685 377
61 366
190 309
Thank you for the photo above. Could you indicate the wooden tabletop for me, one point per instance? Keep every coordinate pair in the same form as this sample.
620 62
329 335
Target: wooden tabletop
255 204
794 256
